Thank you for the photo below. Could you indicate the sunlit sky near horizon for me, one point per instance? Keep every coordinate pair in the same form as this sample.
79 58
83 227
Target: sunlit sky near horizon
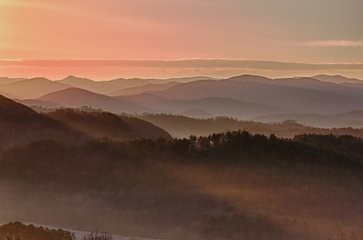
310 31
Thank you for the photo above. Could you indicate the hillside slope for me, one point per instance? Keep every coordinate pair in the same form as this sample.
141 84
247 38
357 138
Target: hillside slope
20 125
98 124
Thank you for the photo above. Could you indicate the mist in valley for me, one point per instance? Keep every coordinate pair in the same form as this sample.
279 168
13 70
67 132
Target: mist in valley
225 186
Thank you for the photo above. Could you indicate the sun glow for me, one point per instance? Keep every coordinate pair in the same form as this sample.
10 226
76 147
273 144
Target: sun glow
173 29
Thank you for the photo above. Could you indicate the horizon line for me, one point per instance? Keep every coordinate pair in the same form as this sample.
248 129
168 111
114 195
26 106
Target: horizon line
176 60
166 68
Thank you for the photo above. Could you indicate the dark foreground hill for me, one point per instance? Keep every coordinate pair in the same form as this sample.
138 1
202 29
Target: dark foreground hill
225 186
99 124
19 231
20 125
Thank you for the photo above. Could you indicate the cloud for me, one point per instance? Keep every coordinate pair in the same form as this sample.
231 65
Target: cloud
335 43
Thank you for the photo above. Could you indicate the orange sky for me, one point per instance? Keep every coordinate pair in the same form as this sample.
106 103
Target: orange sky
277 30
111 30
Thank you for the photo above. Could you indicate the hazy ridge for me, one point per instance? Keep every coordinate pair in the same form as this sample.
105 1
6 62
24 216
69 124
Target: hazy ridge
308 100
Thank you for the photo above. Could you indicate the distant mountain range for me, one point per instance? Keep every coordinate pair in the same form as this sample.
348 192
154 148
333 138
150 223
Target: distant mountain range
336 79
281 94
245 97
144 88
88 84
76 97
31 88
6 80
212 106
22 88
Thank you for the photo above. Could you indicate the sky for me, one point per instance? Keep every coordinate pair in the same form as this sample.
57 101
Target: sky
309 31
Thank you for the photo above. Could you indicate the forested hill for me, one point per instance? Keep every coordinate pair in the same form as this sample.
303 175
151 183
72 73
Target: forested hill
99 124
19 231
223 186
21 125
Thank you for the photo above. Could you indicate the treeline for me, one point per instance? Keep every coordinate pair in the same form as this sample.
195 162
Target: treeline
105 162
181 126
19 231
179 189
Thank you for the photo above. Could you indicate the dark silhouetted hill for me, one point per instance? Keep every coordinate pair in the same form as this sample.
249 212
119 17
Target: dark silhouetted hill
19 231
99 124
20 125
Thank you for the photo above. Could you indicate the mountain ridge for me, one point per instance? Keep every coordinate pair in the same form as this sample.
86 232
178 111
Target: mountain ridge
76 97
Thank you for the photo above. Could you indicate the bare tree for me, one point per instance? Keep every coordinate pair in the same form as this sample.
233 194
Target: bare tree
98 236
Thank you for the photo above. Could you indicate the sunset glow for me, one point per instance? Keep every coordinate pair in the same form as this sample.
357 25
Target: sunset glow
181 29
